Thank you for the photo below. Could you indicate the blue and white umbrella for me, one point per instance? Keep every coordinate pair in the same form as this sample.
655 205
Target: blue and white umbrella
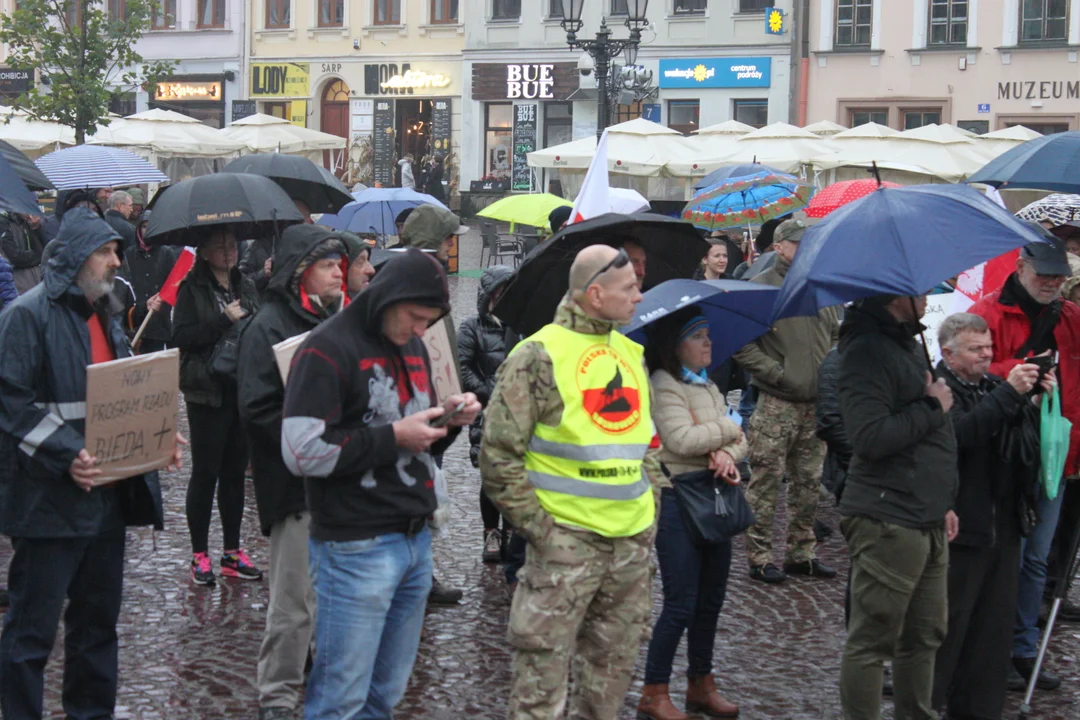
96 166
375 210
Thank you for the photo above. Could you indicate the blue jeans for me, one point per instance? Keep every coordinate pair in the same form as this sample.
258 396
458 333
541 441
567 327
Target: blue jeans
695 582
370 599
1034 552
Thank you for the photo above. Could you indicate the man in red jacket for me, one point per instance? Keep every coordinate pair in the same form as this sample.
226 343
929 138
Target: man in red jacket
1027 317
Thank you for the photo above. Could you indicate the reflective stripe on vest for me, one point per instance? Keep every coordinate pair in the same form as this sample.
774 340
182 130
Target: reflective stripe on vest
587 471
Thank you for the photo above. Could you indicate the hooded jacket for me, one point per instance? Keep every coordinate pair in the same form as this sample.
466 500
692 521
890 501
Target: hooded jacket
483 343
147 269
8 293
43 403
282 315
407 179
347 386
903 467
784 362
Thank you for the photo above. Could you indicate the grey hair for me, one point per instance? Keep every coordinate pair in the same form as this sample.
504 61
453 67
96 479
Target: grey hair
955 325
119 198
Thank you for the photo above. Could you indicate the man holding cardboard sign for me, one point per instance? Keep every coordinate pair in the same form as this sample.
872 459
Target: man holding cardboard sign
66 529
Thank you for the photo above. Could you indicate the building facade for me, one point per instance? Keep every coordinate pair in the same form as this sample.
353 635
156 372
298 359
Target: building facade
981 64
384 73
711 60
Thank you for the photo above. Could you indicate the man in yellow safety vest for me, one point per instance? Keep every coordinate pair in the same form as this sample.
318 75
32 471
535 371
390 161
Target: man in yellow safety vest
566 459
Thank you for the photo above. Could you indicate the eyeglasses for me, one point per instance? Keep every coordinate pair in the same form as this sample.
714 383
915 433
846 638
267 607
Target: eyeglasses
619 261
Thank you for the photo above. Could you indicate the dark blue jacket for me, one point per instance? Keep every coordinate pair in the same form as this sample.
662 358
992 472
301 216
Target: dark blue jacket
8 293
43 402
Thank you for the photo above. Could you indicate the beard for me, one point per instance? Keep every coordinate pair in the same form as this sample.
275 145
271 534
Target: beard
95 288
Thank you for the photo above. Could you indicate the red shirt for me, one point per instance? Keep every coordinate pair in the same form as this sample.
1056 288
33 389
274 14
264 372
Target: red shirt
100 350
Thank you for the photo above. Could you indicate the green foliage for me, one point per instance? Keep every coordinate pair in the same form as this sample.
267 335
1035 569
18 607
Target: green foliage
87 51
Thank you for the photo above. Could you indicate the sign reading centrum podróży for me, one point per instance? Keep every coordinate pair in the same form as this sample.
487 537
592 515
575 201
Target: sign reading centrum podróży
722 72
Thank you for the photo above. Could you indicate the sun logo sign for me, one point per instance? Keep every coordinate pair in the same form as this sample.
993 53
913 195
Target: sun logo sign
701 73
774 21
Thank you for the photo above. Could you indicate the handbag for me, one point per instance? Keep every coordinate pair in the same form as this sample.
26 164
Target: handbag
713 510
225 359
1054 443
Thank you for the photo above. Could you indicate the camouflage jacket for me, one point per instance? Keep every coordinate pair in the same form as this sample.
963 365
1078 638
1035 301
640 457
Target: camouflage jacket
525 394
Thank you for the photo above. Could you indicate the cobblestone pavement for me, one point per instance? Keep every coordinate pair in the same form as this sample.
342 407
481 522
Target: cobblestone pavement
189 652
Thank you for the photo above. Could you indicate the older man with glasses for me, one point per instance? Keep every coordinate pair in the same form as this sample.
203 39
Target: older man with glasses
566 459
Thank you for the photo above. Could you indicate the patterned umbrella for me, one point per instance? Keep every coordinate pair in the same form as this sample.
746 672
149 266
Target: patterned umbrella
841 193
751 199
1059 208
96 166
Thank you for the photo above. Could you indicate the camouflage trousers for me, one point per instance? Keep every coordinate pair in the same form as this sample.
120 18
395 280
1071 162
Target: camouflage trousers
583 595
782 441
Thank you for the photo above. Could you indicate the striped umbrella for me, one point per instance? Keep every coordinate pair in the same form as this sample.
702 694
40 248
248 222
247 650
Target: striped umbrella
749 199
95 166
1058 208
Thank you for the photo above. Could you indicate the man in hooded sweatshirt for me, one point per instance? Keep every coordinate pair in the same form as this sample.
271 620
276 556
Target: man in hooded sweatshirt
432 228
306 287
67 533
361 423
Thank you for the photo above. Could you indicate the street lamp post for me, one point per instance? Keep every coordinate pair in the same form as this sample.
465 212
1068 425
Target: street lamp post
603 48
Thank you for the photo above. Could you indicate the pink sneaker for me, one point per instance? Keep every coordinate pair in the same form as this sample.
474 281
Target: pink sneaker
236 563
201 574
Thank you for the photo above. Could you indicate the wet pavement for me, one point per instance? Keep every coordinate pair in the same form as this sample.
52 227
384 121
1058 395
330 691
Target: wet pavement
189 652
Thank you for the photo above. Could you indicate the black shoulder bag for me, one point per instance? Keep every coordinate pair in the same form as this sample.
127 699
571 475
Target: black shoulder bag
714 511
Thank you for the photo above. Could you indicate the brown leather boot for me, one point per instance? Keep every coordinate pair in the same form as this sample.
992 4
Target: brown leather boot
702 697
656 705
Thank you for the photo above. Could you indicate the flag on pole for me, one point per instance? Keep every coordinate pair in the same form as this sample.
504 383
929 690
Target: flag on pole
177 275
593 198
985 278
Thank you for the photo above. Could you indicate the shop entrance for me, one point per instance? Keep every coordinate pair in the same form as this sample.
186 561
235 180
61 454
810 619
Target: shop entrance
335 120
414 128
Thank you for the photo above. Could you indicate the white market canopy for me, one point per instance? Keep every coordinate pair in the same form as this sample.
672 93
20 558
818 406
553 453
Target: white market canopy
33 136
728 127
637 147
999 141
166 133
825 128
780 145
265 133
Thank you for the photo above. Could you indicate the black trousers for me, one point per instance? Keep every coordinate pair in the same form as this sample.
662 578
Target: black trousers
88 572
973 663
219 457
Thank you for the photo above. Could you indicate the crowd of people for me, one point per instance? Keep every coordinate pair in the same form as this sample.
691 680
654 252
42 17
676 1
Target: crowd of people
581 437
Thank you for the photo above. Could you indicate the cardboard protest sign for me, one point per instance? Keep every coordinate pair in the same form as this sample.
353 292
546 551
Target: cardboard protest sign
284 352
131 412
938 307
441 342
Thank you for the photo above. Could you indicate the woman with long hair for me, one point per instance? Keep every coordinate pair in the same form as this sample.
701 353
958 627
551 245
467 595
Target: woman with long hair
690 415
715 263
207 307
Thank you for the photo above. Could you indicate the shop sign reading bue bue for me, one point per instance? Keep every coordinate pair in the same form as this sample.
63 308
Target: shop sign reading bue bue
724 72
524 81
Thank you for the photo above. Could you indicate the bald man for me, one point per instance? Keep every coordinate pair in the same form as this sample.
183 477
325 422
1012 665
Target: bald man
565 459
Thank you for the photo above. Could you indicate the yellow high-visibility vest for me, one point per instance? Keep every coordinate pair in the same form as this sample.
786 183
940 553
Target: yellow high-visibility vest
588 470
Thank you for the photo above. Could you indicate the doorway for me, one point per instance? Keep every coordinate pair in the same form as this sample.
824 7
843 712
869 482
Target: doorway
335 120
414 128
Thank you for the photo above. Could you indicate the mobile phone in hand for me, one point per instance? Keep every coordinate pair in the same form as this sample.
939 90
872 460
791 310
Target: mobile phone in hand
444 419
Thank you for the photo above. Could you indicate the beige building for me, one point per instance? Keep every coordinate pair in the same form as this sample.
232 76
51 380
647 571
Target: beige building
980 64
384 73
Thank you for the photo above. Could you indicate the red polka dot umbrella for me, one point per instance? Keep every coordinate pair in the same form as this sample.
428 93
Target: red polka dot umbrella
840 194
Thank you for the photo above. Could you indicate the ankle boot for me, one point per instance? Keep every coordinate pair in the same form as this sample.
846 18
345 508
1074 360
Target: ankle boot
656 705
702 697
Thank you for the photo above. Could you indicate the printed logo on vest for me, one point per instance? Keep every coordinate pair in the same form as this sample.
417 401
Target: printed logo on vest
610 389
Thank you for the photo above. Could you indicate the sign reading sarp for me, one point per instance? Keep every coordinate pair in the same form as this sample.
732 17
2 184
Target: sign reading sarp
723 72
131 412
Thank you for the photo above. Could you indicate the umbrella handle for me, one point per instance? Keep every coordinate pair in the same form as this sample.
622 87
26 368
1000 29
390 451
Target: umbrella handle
922 336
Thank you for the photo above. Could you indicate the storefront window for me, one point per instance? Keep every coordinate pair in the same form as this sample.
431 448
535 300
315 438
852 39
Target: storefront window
498 139
948 22
1043 20
277 109
683 115
917 118
278 13
164 15
752 112
387 12
444 11
979 127
1042 128
211 14
331 13
558 123
854 19
625 113
862 117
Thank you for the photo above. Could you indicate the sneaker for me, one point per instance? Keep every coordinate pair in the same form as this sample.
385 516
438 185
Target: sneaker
767 573
443 594
1047 680
811 568
201 573
492 546
237 564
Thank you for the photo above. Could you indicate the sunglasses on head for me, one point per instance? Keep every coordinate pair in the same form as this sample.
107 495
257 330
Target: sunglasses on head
619 261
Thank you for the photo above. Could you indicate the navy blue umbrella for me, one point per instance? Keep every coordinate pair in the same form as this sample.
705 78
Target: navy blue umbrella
736 171
738 312
14 195
1051 162
897 241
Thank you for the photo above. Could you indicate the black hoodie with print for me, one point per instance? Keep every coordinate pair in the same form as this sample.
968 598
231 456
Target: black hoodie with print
348 384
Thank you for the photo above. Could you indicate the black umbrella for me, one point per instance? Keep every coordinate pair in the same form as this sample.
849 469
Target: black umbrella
14 196
300 178
33 178
673 249
183 212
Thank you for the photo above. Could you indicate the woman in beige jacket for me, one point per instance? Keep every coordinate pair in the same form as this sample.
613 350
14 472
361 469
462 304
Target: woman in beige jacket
691 418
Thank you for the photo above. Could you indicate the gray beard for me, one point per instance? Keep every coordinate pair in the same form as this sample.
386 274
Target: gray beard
94 290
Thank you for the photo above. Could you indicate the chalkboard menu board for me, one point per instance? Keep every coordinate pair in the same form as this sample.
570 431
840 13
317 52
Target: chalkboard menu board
524 143
242 109
383 143
440 125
